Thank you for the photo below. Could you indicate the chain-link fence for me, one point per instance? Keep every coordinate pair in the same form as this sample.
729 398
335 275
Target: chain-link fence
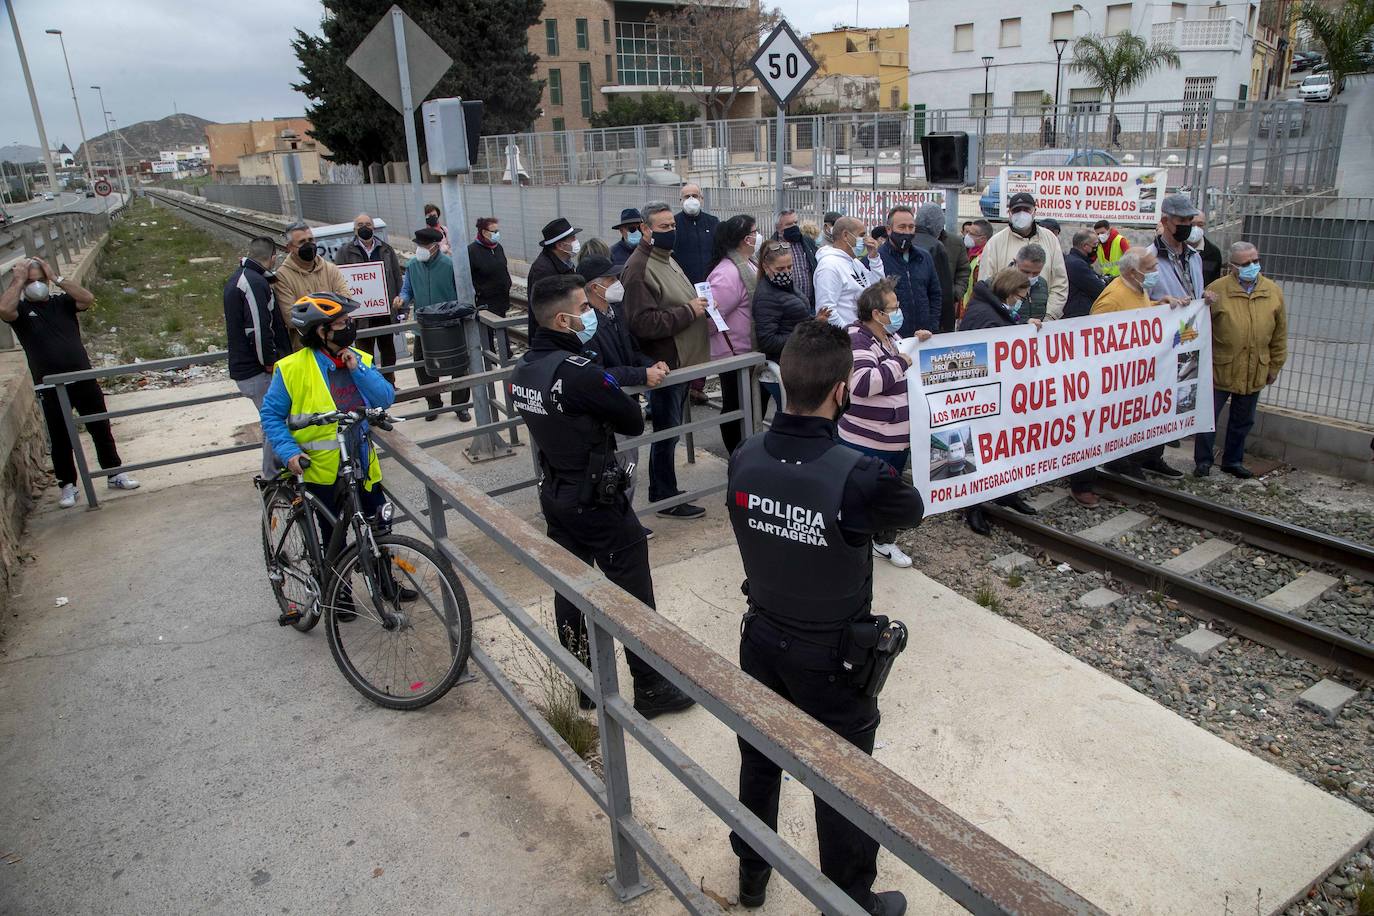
1320 250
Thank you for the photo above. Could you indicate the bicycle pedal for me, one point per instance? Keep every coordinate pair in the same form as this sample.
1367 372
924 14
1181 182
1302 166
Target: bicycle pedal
287 619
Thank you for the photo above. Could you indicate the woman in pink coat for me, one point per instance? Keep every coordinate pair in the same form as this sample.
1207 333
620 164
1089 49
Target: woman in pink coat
734 272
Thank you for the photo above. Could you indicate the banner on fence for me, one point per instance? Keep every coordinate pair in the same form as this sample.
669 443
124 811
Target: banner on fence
872 206
1116 193
997 411
367 283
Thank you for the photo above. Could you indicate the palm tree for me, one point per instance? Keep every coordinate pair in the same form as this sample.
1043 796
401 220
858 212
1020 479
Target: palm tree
1120 63
1341 33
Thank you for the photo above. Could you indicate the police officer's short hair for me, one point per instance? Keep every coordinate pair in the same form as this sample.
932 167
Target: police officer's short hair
550 296
816 357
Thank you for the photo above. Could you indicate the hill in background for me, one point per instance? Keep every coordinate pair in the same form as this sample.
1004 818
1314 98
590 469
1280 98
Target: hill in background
146 139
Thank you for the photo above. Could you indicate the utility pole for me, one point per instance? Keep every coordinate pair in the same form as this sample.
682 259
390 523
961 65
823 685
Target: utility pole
90 168
33 98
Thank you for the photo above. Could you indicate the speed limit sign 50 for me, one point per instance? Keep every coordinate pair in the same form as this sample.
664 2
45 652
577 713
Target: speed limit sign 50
782 64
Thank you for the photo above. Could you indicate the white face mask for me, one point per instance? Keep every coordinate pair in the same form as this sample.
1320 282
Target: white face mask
1195 237
37 291
758 242
1021 220
970 241
691 206
1102 237
422 255
615 292
576 247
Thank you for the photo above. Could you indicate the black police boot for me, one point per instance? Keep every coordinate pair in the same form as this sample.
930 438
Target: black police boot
978 521
657 696
753 886
888 903
1018 502
433 404
585 702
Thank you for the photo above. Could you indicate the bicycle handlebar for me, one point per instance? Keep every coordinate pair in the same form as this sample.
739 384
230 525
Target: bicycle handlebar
377 416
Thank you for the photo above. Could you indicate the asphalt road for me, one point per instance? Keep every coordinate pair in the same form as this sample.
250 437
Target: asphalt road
67 201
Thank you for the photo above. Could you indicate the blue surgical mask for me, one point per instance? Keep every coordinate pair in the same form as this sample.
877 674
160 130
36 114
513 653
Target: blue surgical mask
859 247
588 326
496 236
1014 306
894 322
1249 273
1149 280
634 238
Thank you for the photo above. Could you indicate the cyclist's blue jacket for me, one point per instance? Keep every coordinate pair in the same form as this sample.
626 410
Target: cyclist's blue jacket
367 385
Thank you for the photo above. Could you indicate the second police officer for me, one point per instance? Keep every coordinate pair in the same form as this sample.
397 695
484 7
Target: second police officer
804 508
574 409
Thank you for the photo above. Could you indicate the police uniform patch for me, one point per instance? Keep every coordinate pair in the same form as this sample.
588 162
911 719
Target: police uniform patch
610 380
579 360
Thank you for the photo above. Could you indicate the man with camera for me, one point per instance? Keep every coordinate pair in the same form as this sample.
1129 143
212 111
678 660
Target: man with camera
574 408
804 508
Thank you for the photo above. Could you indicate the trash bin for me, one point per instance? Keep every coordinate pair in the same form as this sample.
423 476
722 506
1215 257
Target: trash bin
444 337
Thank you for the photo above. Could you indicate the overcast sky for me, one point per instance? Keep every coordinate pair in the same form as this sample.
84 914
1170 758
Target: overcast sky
155 56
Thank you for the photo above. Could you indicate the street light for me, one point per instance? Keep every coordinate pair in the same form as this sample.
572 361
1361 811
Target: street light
33 97
118 142
1059 45
983 125
90 169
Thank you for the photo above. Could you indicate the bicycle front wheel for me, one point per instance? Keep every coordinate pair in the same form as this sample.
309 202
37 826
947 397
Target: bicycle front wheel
406 648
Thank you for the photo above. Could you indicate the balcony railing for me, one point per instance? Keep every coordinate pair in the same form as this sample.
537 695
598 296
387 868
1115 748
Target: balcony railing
1200 34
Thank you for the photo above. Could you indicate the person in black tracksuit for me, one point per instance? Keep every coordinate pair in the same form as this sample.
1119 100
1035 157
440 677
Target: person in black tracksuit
256 335
574 408
810 586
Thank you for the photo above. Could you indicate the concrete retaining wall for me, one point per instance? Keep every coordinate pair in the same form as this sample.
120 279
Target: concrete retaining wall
23 466
1313 443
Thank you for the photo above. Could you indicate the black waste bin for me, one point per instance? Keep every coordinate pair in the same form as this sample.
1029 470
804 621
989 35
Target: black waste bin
444 337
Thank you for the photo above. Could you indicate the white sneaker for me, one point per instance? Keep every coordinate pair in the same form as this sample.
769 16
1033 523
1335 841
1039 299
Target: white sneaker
122 482
892 554
68 496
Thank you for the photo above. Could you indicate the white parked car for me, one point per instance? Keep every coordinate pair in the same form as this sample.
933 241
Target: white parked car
47 195
1316 88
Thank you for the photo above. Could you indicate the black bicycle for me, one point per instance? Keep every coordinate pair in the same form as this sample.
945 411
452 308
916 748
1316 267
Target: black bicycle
396 615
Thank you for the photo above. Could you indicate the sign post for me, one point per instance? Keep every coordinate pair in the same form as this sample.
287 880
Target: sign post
783 65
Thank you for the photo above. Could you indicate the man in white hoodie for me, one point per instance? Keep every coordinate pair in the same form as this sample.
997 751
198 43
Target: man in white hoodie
844 269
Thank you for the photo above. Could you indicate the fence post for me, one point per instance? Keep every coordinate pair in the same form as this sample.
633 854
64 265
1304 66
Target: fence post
502 340
625 881
1205 173
82 469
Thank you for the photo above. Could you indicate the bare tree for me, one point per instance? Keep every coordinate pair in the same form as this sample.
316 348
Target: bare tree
715 41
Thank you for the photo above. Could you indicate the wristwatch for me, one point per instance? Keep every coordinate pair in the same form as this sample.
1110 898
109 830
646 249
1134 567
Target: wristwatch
59 279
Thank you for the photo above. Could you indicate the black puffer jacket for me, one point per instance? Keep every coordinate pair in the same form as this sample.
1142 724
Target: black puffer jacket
986 311
777 312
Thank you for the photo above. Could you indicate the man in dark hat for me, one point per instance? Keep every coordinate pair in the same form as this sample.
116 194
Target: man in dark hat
630 236
429 281
559 256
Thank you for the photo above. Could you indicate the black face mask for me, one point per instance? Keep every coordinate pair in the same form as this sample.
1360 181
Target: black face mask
665 240
845 405
344 337
365 233
431 221
792 234
1182 232
306 252
900 240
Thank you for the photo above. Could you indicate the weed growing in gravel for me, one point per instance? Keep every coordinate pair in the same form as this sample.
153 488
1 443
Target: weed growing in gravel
556 697
1364 896
1015 580
987 597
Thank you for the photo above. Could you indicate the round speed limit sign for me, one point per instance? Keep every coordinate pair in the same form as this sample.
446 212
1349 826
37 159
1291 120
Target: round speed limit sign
102 187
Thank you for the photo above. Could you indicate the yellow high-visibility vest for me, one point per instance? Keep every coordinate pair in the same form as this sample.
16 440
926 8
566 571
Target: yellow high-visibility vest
309 390
1111 265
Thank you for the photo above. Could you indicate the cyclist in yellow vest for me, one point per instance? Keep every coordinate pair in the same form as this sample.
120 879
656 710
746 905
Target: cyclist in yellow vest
1111 245
327 374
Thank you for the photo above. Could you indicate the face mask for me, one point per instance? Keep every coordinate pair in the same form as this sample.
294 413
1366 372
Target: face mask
576 247
782 279
1021 221
496 236
844 405
422 255
970 242
1182 232
894 322
1249 273
365 233
431 221
664 241
306 252
859 247
588 326
900 240
634 238
1195 236
1014 306
1102 237
1148 280
37 291
615 292
758 241
792 234
344 338
691 206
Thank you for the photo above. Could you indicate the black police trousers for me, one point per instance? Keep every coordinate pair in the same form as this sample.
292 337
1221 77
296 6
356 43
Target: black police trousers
610 537
809 676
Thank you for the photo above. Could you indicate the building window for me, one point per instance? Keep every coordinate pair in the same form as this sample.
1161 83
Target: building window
610 70
963 37
1029 103
1061 25
647 54
1118 18
1011 33
606 30
979 103
1086 100
559 124
551 36
584 81
1216 12
1199 88
1178 11
555 87
895 98
584 42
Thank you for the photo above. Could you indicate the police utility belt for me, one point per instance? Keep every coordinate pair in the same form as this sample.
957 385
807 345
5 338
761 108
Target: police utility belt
868 647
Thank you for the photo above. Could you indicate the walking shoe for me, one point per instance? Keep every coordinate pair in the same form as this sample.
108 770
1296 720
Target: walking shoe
1086 500
464 414
1239 471
978 521
888 903
1202 470
121 482
683 511
1127 469
585 702
1161 467
656 698
753 886
1017 502
68 496
648 533
892 554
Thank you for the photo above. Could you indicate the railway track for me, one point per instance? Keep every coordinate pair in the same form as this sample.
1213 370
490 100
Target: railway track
1270 620
224 222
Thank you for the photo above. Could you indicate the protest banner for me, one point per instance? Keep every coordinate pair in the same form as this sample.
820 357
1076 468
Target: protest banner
367 284
1116 193
996 411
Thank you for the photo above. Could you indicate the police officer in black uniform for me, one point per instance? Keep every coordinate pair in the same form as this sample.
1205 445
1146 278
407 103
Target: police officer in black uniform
573 409
804 508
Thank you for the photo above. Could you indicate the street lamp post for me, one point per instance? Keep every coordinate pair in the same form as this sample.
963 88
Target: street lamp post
33 98
90 169
983 121
1059 45
119 148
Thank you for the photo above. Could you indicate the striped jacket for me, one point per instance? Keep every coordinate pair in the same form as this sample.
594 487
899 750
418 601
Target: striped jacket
877 417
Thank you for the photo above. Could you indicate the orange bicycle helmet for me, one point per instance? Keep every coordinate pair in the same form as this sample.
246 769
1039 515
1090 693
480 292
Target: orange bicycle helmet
315 309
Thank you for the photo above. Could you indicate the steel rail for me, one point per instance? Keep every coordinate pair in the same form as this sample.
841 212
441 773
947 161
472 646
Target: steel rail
1318 644
1257 530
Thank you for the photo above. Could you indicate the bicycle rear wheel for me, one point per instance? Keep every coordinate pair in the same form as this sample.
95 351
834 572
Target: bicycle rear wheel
408 654
290 568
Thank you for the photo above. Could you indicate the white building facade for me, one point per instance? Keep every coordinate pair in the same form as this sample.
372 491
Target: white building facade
951 38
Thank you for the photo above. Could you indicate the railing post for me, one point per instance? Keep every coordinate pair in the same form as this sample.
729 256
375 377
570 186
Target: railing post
625 881
502 340
748 402
438 523
65 403
488 444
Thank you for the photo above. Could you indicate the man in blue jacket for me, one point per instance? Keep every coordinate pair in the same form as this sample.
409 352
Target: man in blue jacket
695 235
918 287
257 336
